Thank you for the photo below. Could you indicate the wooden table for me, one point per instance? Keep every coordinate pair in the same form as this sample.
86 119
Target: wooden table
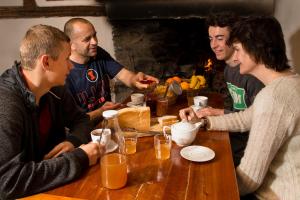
176 178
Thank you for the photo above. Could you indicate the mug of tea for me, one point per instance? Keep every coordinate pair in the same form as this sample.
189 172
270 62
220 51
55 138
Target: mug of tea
105 138
137 98
200 101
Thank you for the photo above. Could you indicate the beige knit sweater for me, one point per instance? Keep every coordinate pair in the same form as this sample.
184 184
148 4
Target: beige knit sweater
271 164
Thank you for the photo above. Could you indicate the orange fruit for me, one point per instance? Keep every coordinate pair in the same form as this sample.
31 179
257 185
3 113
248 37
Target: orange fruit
169 80
184 85
177 79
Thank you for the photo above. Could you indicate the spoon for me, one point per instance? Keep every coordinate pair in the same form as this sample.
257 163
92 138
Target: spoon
166 91
104 124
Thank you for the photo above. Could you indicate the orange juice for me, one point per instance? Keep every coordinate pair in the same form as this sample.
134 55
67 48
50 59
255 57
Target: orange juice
113 171
162 146
130 146
162 151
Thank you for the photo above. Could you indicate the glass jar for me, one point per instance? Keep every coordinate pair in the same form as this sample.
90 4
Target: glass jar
151 102
161 106
114 163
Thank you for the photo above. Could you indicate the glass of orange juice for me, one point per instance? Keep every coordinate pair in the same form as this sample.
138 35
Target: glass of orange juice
130 144
130 136
162 146
113 170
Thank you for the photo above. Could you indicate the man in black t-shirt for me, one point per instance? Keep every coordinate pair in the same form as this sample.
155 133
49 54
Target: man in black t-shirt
93 68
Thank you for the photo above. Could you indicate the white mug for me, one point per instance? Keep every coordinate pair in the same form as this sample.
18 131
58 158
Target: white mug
106 136
137 98
200 101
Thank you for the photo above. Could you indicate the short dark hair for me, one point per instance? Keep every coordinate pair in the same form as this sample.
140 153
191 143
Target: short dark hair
68 27
222 19
262 38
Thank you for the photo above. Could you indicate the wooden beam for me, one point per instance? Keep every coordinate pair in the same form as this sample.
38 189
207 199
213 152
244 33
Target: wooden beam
32 11
29 3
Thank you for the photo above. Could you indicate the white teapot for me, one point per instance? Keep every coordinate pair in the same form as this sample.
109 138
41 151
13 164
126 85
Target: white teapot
183 133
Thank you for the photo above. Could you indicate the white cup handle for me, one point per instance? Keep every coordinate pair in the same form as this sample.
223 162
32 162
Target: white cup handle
164 129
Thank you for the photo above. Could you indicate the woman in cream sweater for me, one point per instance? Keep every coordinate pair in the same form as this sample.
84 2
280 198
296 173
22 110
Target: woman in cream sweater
270 167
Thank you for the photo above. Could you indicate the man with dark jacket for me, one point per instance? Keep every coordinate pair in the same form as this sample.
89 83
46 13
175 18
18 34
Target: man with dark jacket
36 151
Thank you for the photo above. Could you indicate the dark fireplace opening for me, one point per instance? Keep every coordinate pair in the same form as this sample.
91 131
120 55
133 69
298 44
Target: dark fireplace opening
165 48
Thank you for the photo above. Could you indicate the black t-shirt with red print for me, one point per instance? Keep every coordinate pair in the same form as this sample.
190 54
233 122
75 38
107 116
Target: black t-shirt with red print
89 83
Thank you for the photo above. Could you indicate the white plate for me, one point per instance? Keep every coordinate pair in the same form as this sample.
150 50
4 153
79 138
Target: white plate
111 147
197 153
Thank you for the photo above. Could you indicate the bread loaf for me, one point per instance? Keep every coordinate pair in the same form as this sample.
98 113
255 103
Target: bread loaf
167 120
135 117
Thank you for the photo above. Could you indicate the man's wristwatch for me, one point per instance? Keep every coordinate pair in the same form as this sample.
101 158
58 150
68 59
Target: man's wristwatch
205 123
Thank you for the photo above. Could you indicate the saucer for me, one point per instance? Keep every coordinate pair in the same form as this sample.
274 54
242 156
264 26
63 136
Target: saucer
131 104
111 147
197 153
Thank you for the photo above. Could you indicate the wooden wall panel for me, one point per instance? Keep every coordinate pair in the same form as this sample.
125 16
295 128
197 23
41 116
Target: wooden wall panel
31 10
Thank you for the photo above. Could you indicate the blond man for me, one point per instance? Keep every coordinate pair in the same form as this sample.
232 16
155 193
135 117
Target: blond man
35 153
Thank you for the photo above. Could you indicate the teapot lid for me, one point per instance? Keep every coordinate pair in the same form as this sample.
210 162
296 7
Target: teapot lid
184 125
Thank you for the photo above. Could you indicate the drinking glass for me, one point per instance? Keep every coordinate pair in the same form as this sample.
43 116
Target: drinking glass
130 136
113 171
162 146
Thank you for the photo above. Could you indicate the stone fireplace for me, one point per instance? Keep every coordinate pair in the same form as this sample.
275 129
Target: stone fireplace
169 37
164 48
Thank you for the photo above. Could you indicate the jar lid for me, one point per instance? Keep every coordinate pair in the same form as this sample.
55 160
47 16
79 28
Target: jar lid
109 114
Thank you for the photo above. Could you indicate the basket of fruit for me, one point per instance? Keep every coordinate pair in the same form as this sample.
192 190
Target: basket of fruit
195 84
190 86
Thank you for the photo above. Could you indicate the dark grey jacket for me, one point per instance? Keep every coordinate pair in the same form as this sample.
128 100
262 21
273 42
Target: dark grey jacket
22 170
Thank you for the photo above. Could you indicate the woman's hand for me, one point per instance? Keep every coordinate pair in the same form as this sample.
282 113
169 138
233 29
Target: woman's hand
189 115
209 111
